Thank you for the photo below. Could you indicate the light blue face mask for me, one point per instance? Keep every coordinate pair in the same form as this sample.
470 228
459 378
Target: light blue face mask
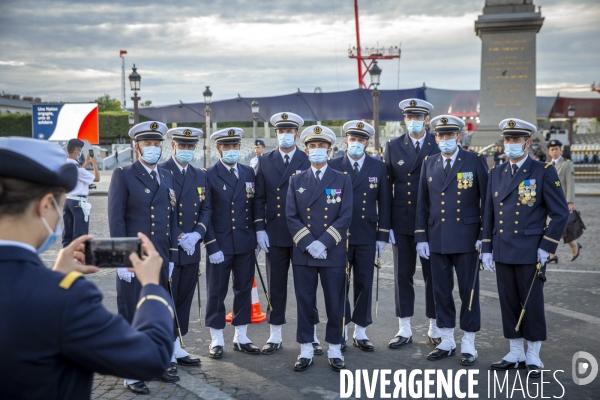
317 156
286 140
356 149
53 235
231 156
414 127
184 156
151 154
514 150
447 146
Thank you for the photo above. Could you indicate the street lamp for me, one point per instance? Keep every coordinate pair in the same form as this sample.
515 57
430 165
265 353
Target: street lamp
207 100
375 73
571 115
254 106
135 80
181 105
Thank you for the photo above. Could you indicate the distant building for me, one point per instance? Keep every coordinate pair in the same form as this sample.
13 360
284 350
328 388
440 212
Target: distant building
13 104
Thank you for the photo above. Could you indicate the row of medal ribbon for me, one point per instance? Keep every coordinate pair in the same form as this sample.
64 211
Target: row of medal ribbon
527 192
465 180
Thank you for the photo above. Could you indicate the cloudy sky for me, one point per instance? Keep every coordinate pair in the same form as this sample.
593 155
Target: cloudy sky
69 50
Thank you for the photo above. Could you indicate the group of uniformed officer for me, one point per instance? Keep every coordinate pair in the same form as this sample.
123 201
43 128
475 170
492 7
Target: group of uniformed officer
327 219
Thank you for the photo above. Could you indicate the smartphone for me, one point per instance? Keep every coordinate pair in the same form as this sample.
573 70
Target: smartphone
92 153
111 252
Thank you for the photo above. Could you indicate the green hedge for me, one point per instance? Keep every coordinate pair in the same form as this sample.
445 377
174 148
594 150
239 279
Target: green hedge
15 125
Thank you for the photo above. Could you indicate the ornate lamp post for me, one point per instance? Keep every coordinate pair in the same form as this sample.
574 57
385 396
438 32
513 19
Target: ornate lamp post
207 100
375 73
254 106
571 115
135 80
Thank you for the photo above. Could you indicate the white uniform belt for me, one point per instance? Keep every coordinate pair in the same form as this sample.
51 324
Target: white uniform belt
77 198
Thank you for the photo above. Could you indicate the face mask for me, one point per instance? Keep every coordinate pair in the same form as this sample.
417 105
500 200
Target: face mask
356 149
317 156
151 154
514 150
447 146
184 156
231 156
415 127
286 140
53 235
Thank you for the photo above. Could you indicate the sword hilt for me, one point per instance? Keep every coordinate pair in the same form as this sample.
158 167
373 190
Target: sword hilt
520 320
471 300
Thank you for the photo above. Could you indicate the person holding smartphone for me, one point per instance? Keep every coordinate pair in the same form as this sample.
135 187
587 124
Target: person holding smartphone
67 333
76 212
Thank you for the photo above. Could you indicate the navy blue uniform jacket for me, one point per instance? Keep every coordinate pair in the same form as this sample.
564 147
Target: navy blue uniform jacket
311 218
56 333
272 181
449 217
232 229
371 214
193 213
404 169
513 230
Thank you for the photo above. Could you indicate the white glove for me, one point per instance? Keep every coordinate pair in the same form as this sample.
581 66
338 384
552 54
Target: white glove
125 275
323 255
380 245
216 258
392 238
423 250
263 241
188 242
543 256
316 248
487 260
478 245
171 267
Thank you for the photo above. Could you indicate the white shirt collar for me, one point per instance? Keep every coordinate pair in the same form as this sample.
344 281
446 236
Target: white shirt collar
323 169
520 163
71 161
360 161
557 160
414 141
181 169
452 158
230 167
18 244
149 170
290 154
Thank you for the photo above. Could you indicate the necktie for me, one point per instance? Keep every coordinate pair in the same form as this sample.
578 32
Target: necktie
418 147
554 164
356 167
317 176
287 160
447 169
183 173
153 174
232 171
515 167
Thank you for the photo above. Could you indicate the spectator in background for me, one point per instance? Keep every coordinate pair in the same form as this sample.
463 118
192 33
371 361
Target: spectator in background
499 156
259 150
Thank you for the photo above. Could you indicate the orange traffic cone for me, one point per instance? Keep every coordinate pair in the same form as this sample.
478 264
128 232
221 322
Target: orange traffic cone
256 316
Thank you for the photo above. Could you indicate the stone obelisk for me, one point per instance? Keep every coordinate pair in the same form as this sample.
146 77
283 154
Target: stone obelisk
508 31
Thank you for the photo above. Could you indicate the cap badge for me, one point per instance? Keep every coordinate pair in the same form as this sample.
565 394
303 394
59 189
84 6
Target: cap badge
154 126
553 142
512 123
317 129
444 120
187 132
231 132
360 125
413 103
284 116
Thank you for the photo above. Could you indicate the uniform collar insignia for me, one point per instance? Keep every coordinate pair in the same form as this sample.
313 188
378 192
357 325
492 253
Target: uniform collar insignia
301 190
401 162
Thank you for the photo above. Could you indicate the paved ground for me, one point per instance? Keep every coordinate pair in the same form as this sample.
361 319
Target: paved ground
572 311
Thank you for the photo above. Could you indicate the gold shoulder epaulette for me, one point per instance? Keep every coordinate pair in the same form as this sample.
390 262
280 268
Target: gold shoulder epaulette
547 165
389 140
119 167
426 157
478 154
493 166
68 280
203 169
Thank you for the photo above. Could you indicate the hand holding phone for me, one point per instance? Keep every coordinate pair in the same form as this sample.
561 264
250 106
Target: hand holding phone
91 153
112 252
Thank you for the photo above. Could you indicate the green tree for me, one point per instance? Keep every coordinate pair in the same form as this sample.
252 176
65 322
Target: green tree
147 103
105 103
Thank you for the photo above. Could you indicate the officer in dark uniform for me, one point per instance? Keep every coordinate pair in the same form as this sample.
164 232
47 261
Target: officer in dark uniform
319 211
230 243
142 198
55 331
370 227
452 192
404 156
522 194
193 211
259 150
273 173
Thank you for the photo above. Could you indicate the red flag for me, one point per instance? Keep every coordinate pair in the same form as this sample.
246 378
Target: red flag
122 52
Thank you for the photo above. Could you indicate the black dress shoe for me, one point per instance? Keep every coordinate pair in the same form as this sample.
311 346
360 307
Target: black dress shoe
343 346
364 345
504 365
336 364
399 341
534 371
434 341
167 378
247 348
553 259
577 255
139 388
467 359
270 348
172 370
187 360
302 364
215 352
439 354
317 349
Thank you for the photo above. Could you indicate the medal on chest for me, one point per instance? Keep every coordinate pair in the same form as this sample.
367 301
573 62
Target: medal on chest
249 189
527 192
